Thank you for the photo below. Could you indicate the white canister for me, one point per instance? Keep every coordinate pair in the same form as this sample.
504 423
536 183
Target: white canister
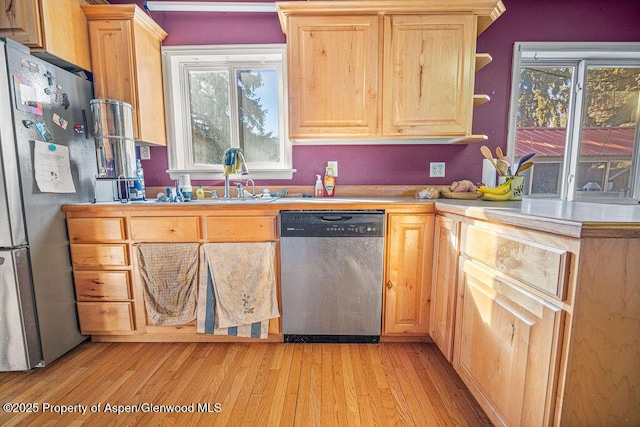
184 180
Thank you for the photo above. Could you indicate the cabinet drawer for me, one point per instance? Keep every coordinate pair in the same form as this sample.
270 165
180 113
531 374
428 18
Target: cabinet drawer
83 230
99 256
540 266
20 21
166 229
105 317
102 285
247 229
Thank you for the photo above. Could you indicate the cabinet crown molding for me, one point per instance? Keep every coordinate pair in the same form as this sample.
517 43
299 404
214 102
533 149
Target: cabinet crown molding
124 12
486 10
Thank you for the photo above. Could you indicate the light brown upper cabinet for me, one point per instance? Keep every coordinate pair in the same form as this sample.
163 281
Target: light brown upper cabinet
53 29
428 79
381 70
127 65
333 76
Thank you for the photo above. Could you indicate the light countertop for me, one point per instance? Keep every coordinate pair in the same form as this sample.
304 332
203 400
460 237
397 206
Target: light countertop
575 219
578 219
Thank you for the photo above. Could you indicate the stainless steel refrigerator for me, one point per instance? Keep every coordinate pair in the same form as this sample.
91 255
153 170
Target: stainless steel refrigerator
47 159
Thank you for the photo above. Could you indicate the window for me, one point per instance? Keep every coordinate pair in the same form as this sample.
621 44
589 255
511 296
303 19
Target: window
577 107
226 96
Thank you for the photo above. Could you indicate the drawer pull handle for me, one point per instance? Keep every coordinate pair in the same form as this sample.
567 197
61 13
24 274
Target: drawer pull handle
389 284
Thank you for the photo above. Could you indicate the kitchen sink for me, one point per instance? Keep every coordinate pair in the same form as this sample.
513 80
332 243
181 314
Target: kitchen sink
277 200
234 200
208 201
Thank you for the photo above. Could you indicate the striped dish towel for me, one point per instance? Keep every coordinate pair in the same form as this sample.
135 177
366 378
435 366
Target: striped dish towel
236 289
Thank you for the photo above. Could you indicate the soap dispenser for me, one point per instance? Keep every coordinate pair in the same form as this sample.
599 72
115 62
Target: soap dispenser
200 192
319 190
329 182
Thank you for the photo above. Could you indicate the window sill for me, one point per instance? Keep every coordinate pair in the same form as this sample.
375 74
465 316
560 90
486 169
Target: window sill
217 175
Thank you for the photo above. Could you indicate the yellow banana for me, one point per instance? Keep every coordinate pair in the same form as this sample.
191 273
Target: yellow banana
498 197
501 189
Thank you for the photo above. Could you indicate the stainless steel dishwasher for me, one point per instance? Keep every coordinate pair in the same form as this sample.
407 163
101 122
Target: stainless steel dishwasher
331 266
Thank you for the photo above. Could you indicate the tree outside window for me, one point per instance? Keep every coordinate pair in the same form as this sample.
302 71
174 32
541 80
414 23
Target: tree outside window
579 113
227 96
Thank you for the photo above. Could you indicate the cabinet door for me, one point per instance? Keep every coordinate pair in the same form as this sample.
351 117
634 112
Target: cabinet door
149 95
127 65
333 76
20 21
428 75
408 274
443 285
112 61
65 31
506 346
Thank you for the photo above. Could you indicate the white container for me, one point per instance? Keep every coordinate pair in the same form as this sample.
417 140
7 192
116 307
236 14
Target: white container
184 180
488 173
184 184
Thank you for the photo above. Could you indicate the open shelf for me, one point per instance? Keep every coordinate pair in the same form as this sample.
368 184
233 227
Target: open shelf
482 59
480 99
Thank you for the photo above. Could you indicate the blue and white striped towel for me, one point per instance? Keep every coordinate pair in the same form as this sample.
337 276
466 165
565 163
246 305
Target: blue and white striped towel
236 289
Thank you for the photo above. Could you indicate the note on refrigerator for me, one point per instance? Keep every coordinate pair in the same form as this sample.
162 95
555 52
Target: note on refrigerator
52 168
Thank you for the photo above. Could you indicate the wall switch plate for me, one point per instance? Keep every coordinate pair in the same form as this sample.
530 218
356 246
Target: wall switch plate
333 164
145 153
436 170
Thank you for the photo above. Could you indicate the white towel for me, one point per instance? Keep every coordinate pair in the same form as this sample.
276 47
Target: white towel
236 289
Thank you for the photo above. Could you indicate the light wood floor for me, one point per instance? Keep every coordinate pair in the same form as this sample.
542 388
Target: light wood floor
252 384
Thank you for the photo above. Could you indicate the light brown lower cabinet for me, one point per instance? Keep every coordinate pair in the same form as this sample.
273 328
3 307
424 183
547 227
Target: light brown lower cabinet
443 285
546 325
110 298
408 275
105 317
102 275
506 346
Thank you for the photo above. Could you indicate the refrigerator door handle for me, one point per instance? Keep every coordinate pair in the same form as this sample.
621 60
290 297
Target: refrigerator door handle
84 126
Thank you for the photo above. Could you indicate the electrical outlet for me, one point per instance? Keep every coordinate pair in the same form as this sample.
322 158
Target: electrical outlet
145 153
436 170
334 164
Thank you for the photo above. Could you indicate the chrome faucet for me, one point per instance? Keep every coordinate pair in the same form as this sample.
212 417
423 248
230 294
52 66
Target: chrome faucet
253 188
233 163
240 190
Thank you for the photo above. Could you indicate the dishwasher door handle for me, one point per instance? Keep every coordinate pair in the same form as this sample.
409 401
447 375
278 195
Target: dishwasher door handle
334 218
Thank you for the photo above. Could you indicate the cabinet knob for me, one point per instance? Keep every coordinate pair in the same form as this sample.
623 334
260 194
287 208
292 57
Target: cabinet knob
389 284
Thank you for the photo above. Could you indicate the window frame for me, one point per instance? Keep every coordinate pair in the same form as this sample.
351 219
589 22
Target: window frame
178 61
581 56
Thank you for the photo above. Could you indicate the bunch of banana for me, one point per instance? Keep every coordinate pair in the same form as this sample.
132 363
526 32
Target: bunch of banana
500 193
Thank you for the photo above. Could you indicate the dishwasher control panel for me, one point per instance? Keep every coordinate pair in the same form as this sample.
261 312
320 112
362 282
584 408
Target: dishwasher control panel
332 224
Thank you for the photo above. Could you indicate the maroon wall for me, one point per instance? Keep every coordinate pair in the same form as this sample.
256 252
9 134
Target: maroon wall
524 20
